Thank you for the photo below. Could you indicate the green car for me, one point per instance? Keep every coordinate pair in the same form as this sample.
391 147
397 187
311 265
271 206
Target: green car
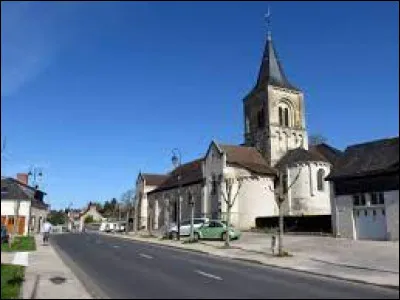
215 229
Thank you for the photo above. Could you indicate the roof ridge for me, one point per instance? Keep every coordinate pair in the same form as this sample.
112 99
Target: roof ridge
372 142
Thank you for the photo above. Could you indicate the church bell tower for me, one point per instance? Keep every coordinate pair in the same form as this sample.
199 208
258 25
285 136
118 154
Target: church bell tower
274 118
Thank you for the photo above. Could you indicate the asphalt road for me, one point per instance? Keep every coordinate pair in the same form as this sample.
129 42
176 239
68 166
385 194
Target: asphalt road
119 268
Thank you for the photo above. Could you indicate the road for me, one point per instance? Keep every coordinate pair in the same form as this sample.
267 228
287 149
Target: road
119 268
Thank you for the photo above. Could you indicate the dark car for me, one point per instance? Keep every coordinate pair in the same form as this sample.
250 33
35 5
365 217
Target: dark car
4 234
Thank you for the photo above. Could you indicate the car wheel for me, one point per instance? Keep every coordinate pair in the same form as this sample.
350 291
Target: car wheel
174 235
196 236
223 236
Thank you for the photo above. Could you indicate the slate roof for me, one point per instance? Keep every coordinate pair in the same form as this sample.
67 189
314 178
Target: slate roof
154 179
190 173
372 158
12 189
271 70
247 157
330 153
300 155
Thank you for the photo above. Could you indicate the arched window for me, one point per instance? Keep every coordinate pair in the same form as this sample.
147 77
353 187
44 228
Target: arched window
284 114
320 179
286 117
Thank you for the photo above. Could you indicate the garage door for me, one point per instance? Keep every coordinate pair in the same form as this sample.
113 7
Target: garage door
370 223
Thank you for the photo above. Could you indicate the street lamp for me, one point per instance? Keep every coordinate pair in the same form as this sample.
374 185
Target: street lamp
176 161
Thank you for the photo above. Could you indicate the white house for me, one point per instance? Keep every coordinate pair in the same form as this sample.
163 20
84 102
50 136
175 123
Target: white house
365 191
26 202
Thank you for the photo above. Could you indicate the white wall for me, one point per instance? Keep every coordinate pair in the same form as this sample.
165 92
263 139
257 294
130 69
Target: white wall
304 197
392 214
213 165
344 218
8 208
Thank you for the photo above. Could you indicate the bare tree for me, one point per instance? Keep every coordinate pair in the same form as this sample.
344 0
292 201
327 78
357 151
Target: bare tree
281 191
229 181
127 199
316 139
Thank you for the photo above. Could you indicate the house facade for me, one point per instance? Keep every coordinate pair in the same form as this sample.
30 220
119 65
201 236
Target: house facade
365 191
22 205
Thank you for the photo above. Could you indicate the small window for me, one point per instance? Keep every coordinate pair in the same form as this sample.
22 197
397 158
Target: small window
356 200
10 220
363 202
285 183
214 186
383 211
357 213
366 212
260 118
381 198
374 199
374 212
320 179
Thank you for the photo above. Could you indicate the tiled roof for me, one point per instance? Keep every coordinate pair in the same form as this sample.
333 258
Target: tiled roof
330 153
247 157
190 173
372 158
154 179
12 189
300 155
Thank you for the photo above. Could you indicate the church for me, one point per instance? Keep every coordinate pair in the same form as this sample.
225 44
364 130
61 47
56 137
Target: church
275 147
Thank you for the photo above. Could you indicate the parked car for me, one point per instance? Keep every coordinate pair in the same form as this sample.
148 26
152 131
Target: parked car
216 229
4 234
185 227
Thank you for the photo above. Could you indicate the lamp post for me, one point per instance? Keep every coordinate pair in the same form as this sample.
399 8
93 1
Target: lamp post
36 173
176 161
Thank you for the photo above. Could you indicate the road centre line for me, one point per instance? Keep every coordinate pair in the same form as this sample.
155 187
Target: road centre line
208 275
145 256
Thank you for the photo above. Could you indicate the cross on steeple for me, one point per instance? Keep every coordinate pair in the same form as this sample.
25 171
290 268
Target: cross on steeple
267 17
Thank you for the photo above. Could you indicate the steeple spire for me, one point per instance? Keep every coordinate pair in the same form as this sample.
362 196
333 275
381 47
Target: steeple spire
271 70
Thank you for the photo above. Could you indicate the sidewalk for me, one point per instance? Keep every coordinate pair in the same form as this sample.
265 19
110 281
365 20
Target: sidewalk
44 277
299 261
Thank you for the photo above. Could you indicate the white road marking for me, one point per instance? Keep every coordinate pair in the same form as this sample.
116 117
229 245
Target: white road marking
21 259
145 256
208 275
115 246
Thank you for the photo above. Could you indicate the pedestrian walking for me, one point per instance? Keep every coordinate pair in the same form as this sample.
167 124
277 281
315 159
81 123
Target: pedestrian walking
46 232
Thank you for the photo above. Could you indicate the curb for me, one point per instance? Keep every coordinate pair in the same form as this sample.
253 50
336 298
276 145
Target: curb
257 262
254 261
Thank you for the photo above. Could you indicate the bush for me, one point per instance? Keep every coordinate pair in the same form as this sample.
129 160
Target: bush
88 220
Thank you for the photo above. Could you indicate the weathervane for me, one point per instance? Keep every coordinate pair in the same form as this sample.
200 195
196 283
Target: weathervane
267 17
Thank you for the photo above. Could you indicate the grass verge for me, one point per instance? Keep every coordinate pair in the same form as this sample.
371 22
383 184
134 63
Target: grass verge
11 281
21 243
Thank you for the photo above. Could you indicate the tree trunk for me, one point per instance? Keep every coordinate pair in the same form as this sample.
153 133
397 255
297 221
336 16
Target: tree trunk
16 219
280 235
127 220
191 223
228 223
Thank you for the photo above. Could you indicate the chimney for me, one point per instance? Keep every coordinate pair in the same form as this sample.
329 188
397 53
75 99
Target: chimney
22 177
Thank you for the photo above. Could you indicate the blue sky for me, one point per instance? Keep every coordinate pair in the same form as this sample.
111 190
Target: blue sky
94 92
